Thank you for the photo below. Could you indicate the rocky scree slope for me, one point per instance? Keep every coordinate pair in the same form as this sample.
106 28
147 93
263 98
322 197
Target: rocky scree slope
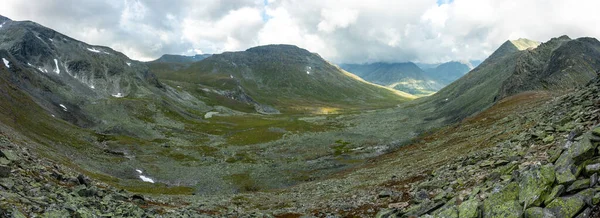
277 78
549 171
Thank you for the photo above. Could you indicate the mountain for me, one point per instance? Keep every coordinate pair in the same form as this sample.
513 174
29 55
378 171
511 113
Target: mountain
447 73
169 58
409 77
518 66
406 77
277 78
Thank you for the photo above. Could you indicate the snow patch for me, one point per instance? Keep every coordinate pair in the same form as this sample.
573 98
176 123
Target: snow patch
52 115
2 24
57 71
118 95
128 64
52 40
92 87
210 114
105 52
230 76
146 179
63 107
28 64
5 63
93 50
307 72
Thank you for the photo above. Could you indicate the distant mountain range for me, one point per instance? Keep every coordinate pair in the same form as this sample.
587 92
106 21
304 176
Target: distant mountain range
421 79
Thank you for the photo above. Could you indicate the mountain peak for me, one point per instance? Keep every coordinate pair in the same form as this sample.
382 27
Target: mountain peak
513 46
523 43
276 48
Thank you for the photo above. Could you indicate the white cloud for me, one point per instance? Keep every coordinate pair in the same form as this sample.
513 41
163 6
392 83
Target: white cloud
336 18
348 31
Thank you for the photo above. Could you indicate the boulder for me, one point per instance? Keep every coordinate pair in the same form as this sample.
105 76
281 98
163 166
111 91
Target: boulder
4 171
566 206
582 150
578 185
535 184
9 154
450 212
469 209
556 192
503 203
566 169
538 212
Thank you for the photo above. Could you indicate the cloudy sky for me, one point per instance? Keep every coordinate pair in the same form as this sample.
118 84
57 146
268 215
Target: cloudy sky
342 31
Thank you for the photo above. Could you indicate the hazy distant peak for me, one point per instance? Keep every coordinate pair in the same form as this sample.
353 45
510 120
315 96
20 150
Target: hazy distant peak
523 44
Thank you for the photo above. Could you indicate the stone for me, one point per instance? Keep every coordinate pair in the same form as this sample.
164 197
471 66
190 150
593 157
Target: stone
548 139
4 171
586 196
556 192
592 168
566 206
450 212
83 180
535 185
585 213
421 196
596 199
56 214
566 170
596 131
503 203
84 191
538 212
9 154
582 150
593 179
469 209
423 208
384 194
506 209
579 185
387 213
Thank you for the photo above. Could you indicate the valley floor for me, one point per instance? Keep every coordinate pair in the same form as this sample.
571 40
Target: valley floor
465 161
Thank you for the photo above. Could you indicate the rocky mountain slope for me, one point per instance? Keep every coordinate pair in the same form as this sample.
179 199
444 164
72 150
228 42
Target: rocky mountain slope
513 68
285 78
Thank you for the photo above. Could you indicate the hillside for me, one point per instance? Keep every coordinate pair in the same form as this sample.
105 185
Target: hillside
503 73
282 78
